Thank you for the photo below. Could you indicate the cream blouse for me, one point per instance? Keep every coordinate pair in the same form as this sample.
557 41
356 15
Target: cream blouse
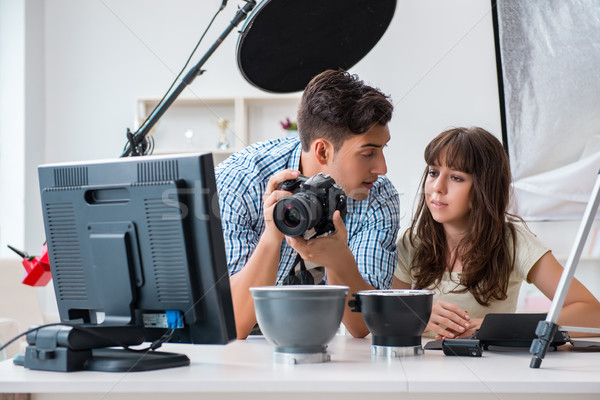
529 251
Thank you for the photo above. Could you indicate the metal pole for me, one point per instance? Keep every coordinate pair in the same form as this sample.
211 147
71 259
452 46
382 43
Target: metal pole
547 329
138 138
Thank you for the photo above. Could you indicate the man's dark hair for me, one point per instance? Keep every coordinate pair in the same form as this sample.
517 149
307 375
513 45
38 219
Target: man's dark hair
336 104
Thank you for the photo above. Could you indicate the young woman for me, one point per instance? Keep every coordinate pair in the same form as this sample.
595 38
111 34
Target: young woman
463 243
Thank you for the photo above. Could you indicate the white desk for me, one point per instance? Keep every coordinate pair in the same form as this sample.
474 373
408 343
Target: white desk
245 370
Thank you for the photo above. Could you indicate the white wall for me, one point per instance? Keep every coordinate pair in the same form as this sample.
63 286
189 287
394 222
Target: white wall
72 74
88 61
436 61
97 57
71 71
22 104
12 124
35 118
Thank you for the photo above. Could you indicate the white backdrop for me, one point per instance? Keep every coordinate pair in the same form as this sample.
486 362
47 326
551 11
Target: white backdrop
68 90
436 61
550 58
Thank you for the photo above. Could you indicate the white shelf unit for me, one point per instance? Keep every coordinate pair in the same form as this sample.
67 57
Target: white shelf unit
190 124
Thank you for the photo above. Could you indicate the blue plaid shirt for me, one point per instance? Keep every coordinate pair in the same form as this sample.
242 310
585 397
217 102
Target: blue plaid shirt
372 223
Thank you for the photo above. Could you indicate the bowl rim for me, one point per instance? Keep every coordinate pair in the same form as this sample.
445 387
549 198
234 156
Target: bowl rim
396 292
299 288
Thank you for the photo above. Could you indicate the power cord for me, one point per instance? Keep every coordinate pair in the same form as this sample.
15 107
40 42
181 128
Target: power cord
153 346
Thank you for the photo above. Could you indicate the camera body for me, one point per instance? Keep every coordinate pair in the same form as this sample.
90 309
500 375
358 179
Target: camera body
312 204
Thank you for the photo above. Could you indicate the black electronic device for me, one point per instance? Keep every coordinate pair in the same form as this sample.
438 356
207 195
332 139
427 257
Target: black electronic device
462 347
137 252
514 330
506 330
311 206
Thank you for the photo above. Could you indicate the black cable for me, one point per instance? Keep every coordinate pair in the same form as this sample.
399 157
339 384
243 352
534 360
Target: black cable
11 341
178 76
155 344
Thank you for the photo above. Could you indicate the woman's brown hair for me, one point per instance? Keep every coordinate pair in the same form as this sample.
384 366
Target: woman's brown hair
483 252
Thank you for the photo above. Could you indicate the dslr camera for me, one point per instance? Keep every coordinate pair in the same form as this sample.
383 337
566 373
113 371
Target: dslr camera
312 204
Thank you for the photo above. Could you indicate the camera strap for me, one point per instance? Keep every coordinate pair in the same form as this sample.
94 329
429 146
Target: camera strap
304 276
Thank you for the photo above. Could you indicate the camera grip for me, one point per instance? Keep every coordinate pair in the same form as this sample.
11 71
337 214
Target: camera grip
292 185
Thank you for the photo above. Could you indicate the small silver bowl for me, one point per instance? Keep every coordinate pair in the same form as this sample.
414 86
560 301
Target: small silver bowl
299 320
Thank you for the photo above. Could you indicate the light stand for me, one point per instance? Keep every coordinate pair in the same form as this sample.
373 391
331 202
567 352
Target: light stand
136 141
546 329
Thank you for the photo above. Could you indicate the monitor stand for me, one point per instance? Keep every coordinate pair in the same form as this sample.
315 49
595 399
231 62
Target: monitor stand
106 360
68 348
122 360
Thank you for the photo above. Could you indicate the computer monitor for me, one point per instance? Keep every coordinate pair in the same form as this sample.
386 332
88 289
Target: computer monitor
136 252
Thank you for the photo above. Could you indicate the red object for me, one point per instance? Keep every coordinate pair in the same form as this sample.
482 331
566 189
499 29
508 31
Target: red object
37 269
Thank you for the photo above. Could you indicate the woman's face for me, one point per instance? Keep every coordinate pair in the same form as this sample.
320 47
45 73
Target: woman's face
448 196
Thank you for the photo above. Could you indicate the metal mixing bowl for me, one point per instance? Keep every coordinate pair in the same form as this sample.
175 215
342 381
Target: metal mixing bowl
299 319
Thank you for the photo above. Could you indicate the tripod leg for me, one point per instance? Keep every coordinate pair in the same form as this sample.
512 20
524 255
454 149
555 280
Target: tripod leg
547 328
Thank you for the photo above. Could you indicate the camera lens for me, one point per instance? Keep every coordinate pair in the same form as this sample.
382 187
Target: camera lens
296 214
291 216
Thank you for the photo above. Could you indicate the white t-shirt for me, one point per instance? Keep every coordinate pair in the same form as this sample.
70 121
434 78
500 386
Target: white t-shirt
529 251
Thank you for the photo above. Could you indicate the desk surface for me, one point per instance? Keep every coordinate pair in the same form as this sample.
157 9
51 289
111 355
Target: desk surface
247 366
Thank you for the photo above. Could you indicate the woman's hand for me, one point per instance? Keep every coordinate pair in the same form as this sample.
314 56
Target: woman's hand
449 321
474 324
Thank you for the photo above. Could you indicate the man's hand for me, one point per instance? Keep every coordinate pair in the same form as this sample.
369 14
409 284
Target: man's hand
327 250
262 266
271 196
333 253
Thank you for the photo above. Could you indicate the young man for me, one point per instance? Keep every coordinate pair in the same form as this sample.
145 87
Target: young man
342 132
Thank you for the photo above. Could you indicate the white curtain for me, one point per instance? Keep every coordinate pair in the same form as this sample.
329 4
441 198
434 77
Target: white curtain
550 51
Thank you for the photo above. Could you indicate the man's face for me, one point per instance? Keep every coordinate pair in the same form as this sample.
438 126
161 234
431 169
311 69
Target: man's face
358 163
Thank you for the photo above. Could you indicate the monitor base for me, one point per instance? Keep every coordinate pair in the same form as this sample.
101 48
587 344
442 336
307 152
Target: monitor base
104 359
121 360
